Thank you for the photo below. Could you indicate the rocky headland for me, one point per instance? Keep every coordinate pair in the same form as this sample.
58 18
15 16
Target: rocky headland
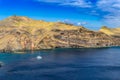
19 33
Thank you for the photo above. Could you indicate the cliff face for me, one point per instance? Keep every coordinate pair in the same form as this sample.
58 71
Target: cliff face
22 33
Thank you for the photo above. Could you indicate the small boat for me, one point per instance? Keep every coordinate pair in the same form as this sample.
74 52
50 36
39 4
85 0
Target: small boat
39 57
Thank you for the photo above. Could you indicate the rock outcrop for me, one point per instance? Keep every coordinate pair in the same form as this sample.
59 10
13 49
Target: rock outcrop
1 64
22 33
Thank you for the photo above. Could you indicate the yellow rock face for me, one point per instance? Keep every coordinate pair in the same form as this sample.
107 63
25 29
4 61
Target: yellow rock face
22 33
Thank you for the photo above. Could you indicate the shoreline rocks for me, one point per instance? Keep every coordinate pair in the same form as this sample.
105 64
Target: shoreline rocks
1 64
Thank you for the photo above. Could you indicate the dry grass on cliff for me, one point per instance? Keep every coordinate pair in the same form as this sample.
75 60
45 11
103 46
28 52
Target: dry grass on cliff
33 25
110 31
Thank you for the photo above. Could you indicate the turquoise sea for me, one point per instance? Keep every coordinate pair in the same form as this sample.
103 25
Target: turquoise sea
62 64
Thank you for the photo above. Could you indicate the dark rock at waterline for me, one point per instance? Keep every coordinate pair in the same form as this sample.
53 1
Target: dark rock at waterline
1 64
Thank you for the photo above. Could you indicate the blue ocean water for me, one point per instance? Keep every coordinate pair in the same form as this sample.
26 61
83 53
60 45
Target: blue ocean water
62 64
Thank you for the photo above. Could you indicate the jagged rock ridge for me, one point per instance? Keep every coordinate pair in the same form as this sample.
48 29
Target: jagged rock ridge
22 33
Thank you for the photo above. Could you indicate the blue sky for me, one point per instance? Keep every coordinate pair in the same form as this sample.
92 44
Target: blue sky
91 13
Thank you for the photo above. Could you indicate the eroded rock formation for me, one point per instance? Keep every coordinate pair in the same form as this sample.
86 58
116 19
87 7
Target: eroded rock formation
22 33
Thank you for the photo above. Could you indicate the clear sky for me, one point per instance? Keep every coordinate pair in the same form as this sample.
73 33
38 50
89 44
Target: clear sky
91 13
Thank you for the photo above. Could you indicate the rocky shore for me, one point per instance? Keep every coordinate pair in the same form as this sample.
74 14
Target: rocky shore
22 33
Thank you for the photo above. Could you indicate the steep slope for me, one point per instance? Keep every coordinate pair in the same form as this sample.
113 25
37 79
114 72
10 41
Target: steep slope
111 31
22 33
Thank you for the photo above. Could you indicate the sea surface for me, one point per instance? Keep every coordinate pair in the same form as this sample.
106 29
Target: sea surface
62 64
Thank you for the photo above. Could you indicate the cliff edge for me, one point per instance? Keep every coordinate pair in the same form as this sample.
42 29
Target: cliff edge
23 33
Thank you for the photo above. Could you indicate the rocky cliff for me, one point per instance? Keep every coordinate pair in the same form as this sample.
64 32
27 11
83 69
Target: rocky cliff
22 33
